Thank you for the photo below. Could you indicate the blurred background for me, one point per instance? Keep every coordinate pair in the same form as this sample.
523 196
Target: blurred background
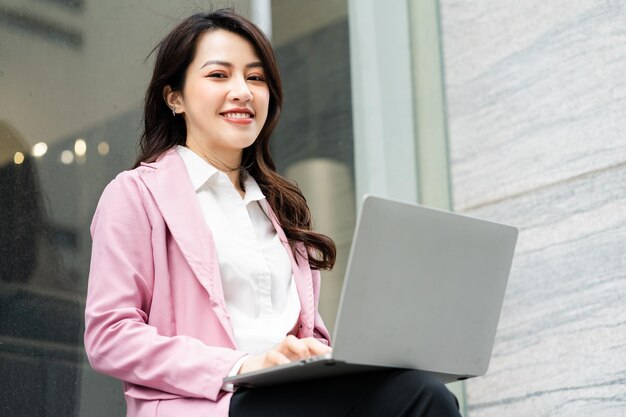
511 111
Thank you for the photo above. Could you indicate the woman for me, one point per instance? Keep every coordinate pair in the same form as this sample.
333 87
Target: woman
203 261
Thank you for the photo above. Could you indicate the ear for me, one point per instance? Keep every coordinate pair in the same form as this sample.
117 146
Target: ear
173 99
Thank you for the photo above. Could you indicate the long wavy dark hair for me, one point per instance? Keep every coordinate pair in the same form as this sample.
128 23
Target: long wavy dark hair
162 131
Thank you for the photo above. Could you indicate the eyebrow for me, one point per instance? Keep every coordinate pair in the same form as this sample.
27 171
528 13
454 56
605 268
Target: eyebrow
256 64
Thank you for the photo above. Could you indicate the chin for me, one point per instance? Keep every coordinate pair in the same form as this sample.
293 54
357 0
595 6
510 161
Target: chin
246 143
238 146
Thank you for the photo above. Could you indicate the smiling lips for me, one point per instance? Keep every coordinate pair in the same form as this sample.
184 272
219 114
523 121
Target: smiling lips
238 116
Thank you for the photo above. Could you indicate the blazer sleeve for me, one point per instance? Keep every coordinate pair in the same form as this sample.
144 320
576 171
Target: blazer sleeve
118 339
319 329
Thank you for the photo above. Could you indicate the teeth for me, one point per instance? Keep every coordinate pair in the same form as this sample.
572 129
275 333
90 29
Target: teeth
237 115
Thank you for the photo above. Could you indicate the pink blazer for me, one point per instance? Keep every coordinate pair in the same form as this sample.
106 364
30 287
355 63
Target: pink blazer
156 317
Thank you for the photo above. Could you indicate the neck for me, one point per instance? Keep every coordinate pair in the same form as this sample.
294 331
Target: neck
227 164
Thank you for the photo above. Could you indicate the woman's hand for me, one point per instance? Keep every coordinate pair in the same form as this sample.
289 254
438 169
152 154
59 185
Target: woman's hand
289 350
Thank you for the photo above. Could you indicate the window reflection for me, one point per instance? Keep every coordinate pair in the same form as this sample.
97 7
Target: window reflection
40 321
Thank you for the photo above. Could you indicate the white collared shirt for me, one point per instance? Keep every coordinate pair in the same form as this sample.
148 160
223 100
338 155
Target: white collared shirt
257 279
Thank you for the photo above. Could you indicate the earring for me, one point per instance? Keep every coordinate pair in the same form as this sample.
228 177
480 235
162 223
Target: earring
173 112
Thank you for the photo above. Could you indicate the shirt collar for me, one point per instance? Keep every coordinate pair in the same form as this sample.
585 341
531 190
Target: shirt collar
200 171
253 191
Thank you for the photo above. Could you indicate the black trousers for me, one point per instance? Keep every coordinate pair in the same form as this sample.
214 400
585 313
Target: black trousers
396 393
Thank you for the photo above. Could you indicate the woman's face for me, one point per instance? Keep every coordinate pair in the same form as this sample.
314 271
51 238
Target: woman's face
225 97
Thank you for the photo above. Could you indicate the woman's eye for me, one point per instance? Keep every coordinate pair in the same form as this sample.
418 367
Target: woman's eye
217 75
256 78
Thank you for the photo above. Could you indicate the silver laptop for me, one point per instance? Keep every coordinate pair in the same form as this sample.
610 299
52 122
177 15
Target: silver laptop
423 290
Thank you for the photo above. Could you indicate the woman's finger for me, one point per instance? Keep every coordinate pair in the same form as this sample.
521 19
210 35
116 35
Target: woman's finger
315 347
294 348
273 358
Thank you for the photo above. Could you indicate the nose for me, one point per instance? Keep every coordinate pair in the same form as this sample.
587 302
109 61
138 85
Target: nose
240 90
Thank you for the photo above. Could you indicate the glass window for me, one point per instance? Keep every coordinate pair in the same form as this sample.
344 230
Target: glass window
72 77
313 143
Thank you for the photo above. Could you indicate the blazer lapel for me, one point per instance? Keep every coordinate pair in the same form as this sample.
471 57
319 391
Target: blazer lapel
171 188
302 277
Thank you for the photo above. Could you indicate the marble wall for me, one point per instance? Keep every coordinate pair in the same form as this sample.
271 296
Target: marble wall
536 96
